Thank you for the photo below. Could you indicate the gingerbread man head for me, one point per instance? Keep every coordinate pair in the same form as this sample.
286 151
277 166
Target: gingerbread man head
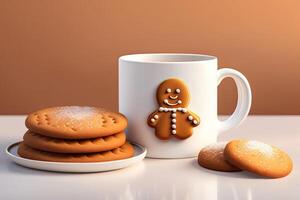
173 93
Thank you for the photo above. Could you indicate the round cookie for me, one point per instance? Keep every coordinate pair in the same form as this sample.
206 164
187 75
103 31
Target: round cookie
45 143
212 157
75 122
125 151
259 158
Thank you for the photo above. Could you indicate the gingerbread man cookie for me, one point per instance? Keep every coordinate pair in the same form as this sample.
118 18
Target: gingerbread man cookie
173 117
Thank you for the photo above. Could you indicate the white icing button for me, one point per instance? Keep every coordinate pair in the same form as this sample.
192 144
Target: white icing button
190 117
169 90
174 121
160 109
177 91
174 132
174 110
155 116
195 122
173 115
152 120
173 126
179 102
179 109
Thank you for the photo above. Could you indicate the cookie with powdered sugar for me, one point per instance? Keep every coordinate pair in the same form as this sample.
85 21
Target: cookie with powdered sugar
212 157
259 158
75 122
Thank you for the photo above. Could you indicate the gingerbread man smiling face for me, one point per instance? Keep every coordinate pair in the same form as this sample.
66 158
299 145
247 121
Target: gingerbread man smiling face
173 117
173 93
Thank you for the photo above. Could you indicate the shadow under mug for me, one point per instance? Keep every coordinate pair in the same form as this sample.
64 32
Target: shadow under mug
141 74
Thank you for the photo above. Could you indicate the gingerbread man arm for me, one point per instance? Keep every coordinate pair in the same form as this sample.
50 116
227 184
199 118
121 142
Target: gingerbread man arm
193 118
153 119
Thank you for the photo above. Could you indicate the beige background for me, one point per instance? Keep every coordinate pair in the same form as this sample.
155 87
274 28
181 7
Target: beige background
58 52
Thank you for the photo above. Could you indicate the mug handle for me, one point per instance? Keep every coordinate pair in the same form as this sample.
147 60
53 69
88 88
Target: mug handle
244 98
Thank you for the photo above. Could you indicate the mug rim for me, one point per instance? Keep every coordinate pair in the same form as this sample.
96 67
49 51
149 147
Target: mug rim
145 58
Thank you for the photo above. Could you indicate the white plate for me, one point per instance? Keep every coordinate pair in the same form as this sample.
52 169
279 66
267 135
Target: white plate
140 153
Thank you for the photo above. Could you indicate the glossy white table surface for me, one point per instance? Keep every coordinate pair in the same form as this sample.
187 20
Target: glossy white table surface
157 178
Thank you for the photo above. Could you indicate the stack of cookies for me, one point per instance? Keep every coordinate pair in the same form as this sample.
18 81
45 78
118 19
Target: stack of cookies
75 134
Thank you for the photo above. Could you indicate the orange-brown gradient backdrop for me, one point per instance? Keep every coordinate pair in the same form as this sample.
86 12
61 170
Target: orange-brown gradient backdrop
58 52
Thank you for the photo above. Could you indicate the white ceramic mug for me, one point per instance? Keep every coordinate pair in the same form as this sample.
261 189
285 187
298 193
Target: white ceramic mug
141 74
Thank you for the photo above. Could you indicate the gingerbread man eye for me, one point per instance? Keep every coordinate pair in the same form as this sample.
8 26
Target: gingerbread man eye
168 90
177 91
